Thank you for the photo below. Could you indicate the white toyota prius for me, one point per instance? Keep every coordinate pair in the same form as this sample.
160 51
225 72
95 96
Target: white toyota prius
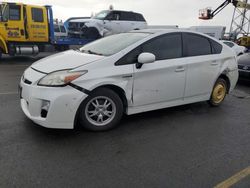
127 73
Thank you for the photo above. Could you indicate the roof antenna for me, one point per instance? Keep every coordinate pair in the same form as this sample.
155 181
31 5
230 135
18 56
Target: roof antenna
111 7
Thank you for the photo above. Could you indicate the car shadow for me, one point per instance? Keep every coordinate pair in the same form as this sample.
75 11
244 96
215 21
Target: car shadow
130 123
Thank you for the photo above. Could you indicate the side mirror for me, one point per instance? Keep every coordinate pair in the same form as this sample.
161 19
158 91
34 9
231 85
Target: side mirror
145 58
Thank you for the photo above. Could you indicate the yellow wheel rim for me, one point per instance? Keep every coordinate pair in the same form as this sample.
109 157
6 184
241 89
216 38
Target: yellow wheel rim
219 93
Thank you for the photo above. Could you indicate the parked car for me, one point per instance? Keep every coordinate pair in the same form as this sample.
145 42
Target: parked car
239 50
152 69
244 67
60 30
106 23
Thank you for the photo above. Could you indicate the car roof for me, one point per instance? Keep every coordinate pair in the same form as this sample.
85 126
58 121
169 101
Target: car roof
170 30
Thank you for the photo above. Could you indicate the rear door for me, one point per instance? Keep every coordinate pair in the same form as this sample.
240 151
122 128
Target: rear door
37 24
203 65
128 21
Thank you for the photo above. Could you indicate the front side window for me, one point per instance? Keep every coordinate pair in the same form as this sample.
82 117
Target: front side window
37 14
14 12
196 45
164 47
5 12
101 15
114 16
1 11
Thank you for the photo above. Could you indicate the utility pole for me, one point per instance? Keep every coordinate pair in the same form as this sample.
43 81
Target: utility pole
240 23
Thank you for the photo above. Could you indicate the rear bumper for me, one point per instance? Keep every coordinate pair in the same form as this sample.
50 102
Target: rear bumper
233 78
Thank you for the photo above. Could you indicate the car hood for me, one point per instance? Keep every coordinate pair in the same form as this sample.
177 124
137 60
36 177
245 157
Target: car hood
83 20
64 60
244 59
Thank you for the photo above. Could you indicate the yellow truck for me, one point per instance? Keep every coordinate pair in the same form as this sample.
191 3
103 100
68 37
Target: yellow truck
26 29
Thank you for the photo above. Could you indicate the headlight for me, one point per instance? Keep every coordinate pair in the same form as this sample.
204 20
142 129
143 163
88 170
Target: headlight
60 78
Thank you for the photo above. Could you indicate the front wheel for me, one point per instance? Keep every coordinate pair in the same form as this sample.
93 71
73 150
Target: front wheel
101 111
219 92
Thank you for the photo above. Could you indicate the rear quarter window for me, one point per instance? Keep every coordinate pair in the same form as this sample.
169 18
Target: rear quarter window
196 45
216 47
139 17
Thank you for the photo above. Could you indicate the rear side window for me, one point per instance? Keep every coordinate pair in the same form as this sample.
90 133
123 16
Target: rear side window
14 12
216 47
37 14
128 16
196 45
115 15
165 47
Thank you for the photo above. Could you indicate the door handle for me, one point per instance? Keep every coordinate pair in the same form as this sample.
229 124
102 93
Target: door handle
180 69
214 63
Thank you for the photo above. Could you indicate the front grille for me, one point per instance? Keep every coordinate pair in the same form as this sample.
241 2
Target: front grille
244 67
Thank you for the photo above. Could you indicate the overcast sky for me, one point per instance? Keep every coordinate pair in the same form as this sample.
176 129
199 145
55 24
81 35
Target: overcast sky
183 13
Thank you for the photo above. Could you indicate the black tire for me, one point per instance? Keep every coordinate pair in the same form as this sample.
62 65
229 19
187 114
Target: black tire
1 53
87 107
61 48
219 92
90 33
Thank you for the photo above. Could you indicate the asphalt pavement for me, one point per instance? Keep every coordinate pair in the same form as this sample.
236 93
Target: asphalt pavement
188 146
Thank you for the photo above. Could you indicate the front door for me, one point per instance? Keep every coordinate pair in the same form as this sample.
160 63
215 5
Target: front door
36 21
112 23
163 80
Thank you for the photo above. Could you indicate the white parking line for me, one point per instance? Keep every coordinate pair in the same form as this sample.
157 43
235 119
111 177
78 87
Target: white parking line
9 93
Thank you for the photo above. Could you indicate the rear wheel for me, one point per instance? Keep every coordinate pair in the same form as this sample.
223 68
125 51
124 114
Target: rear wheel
101 111
219 92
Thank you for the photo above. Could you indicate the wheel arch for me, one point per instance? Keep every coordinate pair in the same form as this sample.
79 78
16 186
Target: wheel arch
116 89
225 77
